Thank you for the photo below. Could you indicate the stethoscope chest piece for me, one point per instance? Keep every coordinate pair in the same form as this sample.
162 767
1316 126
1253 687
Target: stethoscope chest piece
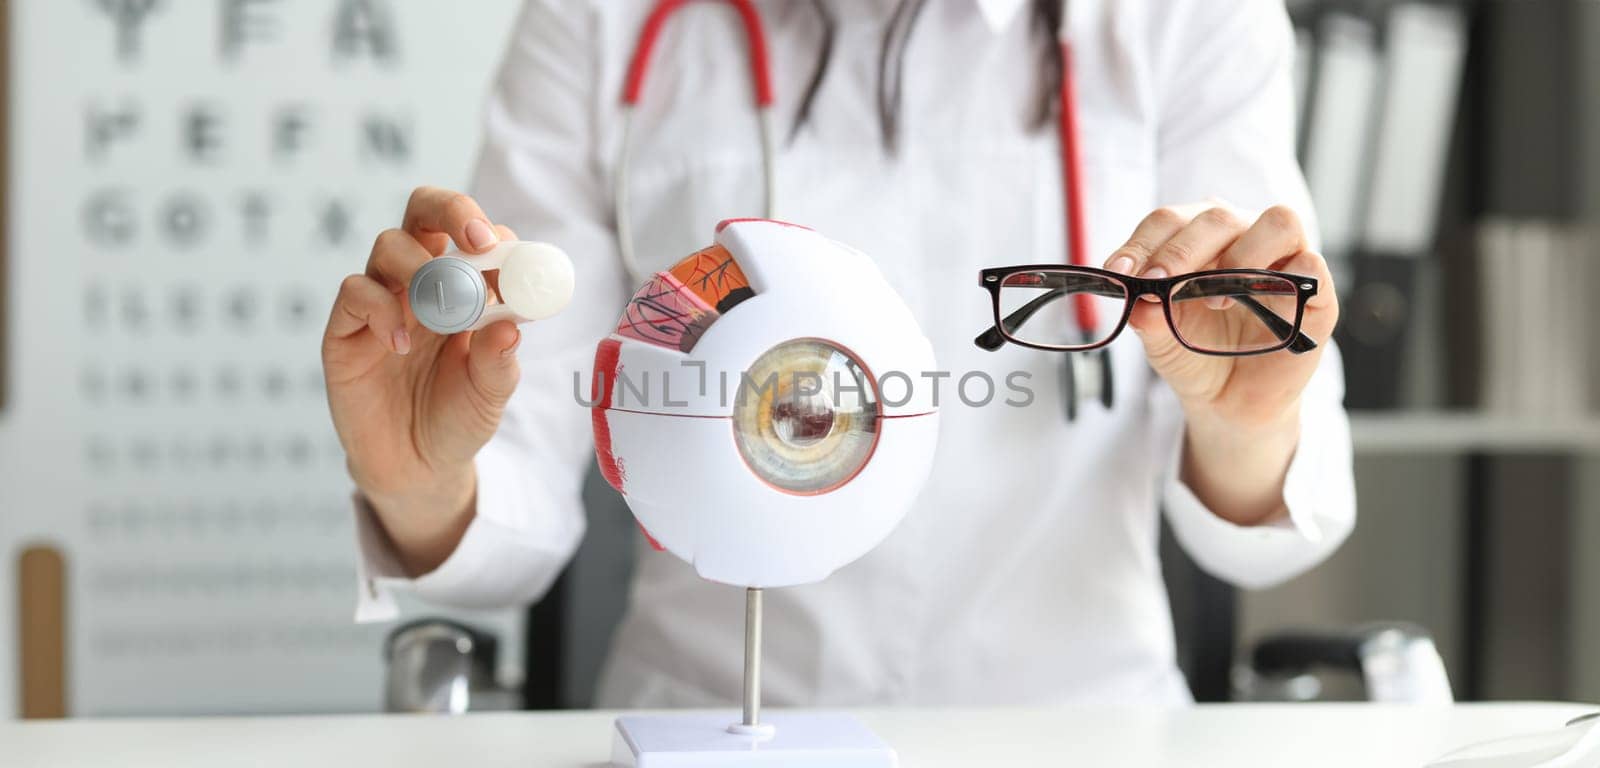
1086 376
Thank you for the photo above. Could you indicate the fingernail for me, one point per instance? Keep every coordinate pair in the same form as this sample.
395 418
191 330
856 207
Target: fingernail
480 234
511 348
1122 265
1153 273
402 341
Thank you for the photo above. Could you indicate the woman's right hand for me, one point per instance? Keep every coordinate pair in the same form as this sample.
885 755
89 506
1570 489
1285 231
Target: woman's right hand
412 407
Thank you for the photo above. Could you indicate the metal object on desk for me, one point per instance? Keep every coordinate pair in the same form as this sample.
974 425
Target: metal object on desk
1397 663
443 667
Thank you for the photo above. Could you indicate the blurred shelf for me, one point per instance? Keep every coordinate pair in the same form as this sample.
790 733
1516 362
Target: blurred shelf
1444 432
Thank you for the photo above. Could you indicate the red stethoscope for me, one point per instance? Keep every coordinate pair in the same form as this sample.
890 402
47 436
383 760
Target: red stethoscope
1087 375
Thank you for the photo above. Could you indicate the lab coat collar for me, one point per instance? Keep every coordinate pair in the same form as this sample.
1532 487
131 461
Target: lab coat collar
999 13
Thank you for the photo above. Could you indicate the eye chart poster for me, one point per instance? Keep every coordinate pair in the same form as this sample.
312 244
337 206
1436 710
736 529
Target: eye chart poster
189 180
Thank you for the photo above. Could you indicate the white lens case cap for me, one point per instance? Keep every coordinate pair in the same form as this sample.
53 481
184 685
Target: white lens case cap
448 294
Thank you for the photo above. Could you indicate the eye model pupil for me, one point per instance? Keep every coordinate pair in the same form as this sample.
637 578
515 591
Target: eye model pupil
805 418
802 420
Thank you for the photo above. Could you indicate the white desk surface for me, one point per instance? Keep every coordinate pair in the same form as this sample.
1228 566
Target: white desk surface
1234 735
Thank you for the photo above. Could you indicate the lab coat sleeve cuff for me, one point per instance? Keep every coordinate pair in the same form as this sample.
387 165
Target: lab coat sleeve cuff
1317 491
508 555
376 562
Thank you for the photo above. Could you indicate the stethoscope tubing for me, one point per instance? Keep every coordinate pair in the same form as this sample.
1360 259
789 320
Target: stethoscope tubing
620 198
761 82
1072 185
633 89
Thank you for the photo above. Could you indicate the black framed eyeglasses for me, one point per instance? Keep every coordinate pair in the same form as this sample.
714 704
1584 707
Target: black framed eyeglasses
1216 312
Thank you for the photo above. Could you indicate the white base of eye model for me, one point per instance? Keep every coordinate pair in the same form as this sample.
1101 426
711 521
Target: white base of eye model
812 739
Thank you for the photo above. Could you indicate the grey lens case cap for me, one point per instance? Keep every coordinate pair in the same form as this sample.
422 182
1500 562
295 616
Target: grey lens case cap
447 295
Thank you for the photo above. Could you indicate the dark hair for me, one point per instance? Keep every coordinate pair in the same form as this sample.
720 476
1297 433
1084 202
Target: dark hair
824 55
1046 20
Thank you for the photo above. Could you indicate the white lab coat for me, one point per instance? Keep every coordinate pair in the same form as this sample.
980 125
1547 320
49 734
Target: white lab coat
1027 571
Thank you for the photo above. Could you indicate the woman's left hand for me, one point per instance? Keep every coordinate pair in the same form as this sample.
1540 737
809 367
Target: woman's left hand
1238 409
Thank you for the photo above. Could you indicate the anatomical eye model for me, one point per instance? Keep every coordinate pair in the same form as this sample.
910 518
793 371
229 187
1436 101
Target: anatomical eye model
739 413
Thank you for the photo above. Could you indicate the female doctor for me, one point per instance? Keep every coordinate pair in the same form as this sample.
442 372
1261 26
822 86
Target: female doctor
921 132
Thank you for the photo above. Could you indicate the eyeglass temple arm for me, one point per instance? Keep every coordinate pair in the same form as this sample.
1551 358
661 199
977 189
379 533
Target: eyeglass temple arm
991 339
1280 327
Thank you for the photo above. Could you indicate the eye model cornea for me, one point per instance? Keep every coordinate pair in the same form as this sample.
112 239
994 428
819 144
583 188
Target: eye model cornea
805 418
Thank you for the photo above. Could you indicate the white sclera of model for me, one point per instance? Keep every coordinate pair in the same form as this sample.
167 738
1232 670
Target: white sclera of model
689 470
448 294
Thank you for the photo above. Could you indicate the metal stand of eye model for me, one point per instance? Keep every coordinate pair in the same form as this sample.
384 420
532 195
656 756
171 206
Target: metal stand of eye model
751 724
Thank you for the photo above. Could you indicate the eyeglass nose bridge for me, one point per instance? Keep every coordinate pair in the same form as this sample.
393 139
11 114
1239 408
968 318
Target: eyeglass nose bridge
1146 286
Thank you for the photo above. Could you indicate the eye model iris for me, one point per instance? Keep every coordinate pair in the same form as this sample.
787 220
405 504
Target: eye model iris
805 417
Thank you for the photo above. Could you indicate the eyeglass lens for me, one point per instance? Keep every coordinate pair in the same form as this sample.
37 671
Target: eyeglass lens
1038 307
1234 313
